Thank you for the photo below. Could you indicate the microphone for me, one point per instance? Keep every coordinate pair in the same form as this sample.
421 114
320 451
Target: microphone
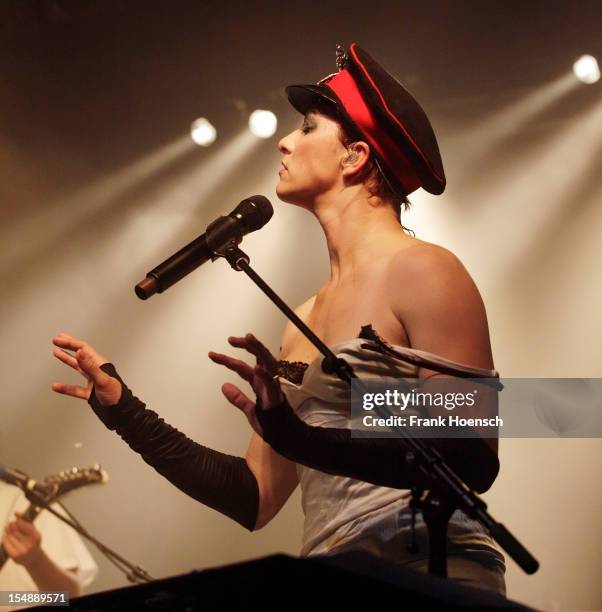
21 480
250 215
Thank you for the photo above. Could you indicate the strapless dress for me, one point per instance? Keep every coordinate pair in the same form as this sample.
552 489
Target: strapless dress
343 514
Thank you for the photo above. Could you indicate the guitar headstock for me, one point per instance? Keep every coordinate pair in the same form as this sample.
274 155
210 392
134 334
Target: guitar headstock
72 479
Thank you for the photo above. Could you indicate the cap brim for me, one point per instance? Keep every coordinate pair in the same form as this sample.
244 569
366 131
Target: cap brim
306 97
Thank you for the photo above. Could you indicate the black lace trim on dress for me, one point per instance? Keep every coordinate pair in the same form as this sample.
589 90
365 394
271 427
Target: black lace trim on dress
294 371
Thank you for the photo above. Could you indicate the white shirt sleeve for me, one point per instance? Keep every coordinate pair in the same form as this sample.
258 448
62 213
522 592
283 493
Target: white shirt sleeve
60 542
65 547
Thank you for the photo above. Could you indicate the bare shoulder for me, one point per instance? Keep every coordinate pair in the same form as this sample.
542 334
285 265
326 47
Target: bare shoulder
426 259
290 331
430 270
434 297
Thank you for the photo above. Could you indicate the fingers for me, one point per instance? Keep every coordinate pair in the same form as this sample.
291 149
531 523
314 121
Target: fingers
72 390
21 541
66 358
254 346
16 531
22 528
11 544
270 363
237 398
86 361
66 341
244 370
261 377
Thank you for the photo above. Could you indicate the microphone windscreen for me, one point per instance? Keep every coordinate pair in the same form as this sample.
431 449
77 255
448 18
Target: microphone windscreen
255 211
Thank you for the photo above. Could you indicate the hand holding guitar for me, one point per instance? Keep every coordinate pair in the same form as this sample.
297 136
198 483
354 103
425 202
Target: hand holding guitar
22 541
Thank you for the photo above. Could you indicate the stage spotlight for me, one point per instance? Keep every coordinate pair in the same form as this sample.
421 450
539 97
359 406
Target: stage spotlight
586 69
202 132
263 123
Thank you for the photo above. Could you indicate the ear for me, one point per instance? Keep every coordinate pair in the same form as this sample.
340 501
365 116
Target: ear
356 158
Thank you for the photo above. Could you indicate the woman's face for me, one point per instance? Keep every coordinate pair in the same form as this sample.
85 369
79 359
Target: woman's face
311 163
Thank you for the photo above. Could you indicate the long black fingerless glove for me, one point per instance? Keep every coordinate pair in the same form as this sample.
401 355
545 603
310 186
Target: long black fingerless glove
223 482
380 461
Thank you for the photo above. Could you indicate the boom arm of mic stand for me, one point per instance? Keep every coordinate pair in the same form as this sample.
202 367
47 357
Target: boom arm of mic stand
239 261
426 458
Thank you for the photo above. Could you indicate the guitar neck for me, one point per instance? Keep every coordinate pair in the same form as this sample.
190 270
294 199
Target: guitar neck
29 515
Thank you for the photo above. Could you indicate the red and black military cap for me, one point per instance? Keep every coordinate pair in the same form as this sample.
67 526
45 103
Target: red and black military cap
385 114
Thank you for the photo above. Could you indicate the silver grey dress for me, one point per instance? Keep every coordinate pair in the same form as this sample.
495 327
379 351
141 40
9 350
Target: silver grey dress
343 514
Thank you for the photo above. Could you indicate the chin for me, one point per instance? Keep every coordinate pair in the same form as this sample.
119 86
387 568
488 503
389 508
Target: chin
284 194
292 197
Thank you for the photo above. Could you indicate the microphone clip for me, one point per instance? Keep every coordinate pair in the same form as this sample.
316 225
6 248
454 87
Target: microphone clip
232 254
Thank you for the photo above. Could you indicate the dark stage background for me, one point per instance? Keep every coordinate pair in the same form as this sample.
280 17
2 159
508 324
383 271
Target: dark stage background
99 182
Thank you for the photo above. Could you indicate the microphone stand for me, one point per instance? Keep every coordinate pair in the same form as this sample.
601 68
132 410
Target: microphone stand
448 490
331 363
134 573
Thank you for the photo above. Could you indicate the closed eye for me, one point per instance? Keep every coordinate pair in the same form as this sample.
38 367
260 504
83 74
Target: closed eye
308 125
306 129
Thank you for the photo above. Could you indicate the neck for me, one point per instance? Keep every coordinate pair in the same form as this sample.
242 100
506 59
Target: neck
359 229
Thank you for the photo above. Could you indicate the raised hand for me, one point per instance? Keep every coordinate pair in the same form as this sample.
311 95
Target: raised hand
261 377
86 361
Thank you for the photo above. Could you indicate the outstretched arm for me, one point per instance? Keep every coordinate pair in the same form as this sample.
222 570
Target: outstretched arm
220 481
331 450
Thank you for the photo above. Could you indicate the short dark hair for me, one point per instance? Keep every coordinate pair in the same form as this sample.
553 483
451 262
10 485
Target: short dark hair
376 183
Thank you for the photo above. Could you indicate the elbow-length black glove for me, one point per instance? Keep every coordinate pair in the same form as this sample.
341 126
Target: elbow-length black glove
223 482
380 461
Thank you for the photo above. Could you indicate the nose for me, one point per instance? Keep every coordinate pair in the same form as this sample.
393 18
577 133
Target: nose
285 145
